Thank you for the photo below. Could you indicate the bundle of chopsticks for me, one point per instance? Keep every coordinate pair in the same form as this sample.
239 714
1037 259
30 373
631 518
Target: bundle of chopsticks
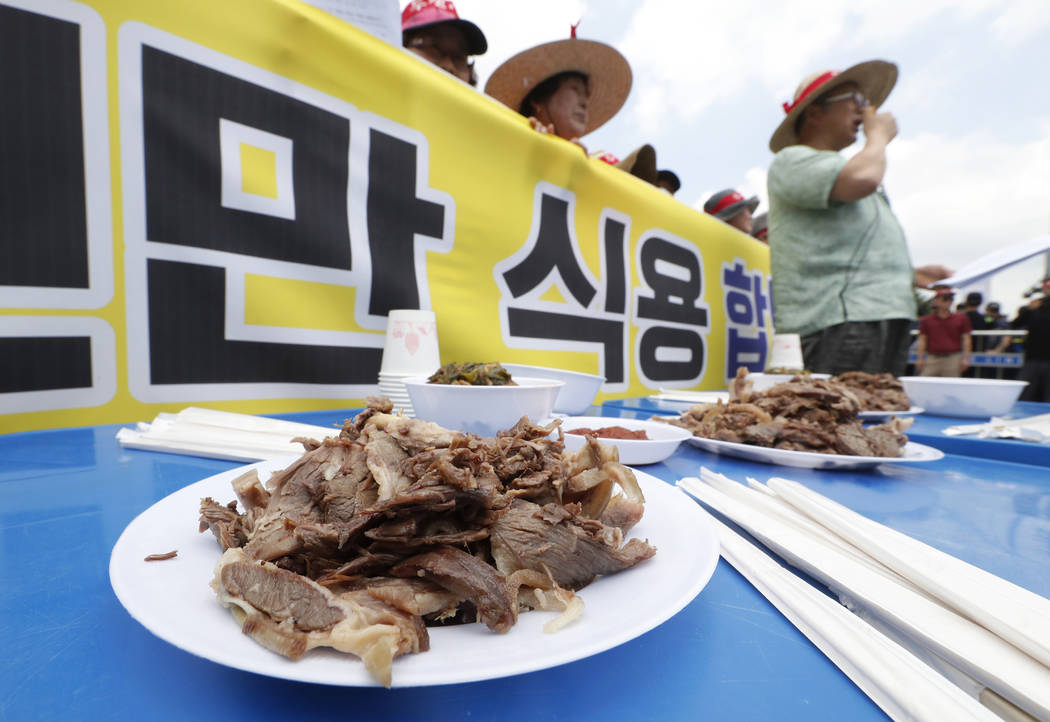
924 634
221 435
1029 428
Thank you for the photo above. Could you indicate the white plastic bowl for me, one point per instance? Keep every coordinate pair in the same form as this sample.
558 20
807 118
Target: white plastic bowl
578 393
482 410
662 442
761 382
969 398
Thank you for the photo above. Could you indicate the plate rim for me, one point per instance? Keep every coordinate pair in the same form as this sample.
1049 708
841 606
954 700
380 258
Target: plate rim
691 520
832 461
912 410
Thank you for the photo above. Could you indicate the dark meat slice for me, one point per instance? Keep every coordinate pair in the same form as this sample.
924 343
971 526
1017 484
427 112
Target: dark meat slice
296 493
469 577
763 434
532 537
224 521
852 440
799 436
317 497
290 614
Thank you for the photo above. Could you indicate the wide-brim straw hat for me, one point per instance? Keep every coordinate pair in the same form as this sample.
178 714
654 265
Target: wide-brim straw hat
608 75
875 78
641 163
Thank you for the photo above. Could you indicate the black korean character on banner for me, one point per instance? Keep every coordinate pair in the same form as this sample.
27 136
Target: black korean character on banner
43 223
746 306
595 316
188 344
395 216
44 363
673 349
195 120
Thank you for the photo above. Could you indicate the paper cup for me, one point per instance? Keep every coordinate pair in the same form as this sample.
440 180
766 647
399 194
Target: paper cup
411 344
786 353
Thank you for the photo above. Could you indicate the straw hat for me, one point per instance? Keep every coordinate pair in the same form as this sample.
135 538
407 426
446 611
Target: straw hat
422 13
640 162
608 75
875 78
723 205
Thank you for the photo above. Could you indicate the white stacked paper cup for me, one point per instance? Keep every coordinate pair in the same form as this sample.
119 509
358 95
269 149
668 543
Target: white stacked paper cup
786 353
410 349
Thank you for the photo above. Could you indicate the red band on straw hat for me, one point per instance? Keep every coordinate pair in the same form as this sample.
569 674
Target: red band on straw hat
817 82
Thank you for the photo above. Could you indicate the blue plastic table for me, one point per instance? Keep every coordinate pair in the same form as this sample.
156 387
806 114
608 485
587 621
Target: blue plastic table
71 651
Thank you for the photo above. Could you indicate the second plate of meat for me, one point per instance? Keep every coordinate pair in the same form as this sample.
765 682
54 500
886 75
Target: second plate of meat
911 452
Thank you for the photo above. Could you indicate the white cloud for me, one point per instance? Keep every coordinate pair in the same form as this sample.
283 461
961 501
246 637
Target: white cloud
958 198
1022 20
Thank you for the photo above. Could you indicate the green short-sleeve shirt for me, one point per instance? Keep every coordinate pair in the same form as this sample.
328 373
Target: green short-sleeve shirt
832 261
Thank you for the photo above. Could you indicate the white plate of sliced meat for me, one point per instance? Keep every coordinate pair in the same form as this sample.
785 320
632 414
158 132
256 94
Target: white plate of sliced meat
172 598
883 415
911 452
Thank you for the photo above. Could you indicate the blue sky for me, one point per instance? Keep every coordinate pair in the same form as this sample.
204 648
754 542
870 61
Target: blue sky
969 170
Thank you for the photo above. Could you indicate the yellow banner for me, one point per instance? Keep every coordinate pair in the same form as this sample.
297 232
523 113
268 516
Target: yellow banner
217 204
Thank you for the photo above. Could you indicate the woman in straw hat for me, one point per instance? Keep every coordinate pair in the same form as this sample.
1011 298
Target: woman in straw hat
842 276
567 87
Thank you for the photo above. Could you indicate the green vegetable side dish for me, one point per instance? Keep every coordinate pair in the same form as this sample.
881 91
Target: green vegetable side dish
472 374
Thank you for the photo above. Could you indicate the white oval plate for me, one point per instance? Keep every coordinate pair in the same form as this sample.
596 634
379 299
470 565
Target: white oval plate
879 415
172 598
809 460
662 442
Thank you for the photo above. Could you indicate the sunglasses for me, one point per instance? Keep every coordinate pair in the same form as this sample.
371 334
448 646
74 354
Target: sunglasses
855 95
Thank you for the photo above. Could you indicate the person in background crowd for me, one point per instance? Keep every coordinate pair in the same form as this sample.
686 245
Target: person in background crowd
993 320
566 88
433 30
668 180
1035 317
972 308
733 208
760 227
842 275
945 343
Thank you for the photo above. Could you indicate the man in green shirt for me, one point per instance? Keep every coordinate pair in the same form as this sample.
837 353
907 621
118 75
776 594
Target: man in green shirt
842 275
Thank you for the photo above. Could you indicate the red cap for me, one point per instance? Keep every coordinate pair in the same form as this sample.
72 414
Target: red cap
420 13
